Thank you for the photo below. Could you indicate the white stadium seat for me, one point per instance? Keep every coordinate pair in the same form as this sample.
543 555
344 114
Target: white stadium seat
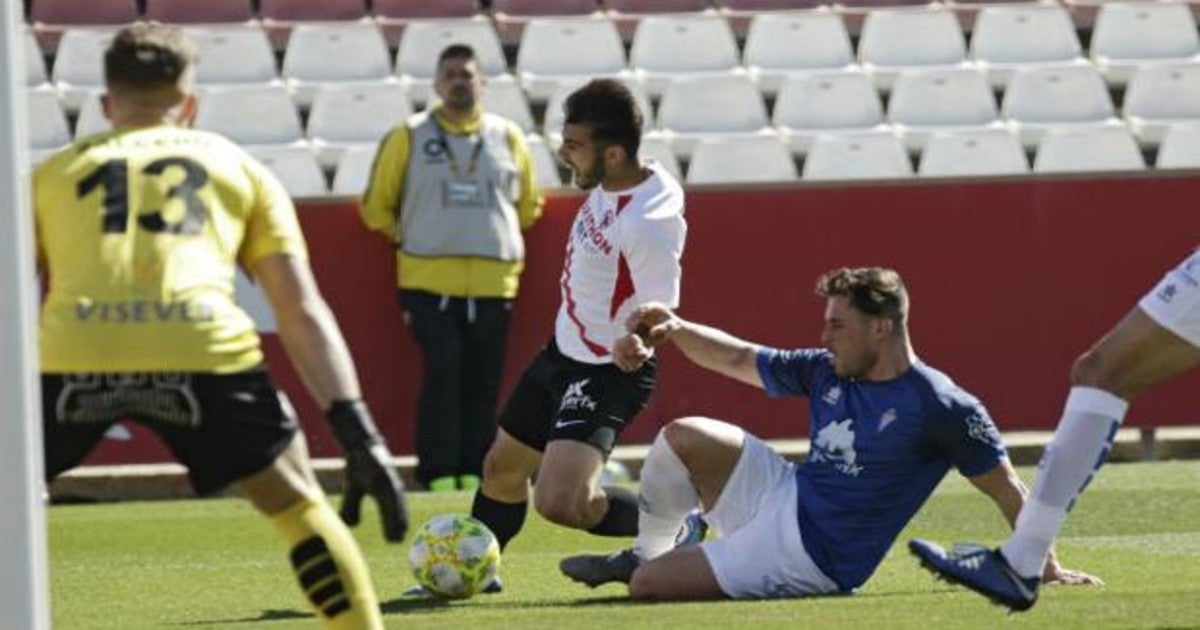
79 64
545 167
656 147
1006 37
47 121
1180 148
1040 98
504 96
345 53
353 171
838 103
1127 35
667 47
1159 96
856 157
260 115
899 39
1088 150
423 41
973 153
781 44
709 106
925 101
91 118
595 50
296 168
35 66
347 115
741 160
233 54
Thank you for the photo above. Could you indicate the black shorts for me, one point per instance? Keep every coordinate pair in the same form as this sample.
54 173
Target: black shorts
222 427
559 398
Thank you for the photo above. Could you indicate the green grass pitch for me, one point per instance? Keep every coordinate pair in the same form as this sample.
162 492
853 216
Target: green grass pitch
216 564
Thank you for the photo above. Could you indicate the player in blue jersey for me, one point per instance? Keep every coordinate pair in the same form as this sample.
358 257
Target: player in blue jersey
1158 340
885 429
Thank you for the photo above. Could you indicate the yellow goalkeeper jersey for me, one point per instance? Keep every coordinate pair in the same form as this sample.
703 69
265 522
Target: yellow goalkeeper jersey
138 232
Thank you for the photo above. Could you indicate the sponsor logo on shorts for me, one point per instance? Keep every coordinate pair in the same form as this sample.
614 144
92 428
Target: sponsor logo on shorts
562 424
575 398
166 397
1167 293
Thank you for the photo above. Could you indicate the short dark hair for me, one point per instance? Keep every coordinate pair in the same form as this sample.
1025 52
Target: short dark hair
608 108
875 291
148 55
456 51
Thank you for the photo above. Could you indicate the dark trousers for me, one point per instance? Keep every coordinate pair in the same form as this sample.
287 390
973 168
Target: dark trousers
462 343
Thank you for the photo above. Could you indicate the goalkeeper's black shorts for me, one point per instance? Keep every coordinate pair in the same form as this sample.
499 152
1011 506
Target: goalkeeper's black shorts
222 427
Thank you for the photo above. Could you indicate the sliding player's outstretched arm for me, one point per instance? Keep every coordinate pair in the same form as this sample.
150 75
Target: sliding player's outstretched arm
705 346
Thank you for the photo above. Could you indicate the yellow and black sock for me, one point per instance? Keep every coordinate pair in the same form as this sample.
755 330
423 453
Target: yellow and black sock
332 571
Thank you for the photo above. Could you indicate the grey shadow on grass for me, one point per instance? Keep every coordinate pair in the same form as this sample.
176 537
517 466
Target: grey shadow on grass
266 615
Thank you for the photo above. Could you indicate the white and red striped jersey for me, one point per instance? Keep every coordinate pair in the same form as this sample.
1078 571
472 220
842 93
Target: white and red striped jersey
623 251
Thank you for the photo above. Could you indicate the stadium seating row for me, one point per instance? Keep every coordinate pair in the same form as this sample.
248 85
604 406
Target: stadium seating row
847 157
921 103
1006 37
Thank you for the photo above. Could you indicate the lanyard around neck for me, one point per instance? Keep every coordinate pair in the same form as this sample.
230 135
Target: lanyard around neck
472 164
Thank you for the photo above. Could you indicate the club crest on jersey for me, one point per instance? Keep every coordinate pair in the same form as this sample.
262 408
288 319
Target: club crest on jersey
887 418
832 395
982 429
574 398
835 444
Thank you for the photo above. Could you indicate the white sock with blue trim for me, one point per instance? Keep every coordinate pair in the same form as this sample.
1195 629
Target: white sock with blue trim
665 498
1080 445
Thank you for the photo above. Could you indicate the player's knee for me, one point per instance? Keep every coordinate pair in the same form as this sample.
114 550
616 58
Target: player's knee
686 436
1092 370
561 508
502 478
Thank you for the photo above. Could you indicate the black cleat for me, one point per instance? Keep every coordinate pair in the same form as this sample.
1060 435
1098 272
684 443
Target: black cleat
596 569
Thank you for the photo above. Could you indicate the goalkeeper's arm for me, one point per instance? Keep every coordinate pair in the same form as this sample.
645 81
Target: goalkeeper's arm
314 343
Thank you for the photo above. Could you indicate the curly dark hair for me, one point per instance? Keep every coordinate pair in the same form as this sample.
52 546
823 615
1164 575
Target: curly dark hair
610 111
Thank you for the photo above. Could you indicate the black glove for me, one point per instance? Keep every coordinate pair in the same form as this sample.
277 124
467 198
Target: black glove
368 468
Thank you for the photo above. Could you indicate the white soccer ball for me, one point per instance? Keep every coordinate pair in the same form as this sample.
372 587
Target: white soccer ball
454 556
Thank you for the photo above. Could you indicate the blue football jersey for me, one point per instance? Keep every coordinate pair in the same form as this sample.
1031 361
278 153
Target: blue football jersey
879 448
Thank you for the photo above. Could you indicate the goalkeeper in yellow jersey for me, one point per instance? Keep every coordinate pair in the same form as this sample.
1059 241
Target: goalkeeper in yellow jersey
139 230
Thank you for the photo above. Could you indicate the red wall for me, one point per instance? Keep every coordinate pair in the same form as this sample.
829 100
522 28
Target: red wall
1010 281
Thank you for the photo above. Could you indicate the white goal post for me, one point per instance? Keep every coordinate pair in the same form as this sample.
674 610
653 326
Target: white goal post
24 596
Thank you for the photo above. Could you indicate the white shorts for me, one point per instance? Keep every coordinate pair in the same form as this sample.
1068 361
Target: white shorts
1175 303
760 553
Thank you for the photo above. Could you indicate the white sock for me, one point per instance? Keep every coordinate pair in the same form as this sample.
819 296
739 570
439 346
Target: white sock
664 500
1080 445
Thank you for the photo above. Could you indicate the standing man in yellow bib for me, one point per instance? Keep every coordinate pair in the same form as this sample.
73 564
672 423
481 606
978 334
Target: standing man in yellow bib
139 230
453 187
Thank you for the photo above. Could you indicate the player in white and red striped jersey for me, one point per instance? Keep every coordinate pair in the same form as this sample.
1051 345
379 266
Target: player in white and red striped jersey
572 402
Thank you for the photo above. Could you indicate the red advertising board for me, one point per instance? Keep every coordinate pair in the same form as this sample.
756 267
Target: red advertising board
1010 280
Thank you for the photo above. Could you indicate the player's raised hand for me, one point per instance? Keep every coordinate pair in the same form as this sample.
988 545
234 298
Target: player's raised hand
368 469
630 353
652 322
